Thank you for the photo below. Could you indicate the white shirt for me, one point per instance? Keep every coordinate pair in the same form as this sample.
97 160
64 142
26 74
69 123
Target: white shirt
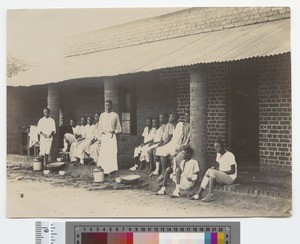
178 134
90 132
158 136
186 134
225 161
168 130
82 130
109 122
76 130
148 135
190 168
46 125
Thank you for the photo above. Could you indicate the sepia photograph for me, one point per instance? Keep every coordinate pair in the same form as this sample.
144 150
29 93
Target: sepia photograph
149 112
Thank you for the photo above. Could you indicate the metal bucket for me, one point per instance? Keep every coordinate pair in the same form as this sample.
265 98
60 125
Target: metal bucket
37 164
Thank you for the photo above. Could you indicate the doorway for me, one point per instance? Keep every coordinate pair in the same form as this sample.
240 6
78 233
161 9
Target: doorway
244 119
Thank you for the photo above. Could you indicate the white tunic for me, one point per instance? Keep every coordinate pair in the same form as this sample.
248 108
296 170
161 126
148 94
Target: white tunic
46 125
175 142
76 130
225 161
189 169
107 159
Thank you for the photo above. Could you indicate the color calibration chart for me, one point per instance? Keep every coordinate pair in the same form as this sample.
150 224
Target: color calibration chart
138 233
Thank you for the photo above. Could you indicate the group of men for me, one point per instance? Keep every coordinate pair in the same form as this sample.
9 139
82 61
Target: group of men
165 150
89 140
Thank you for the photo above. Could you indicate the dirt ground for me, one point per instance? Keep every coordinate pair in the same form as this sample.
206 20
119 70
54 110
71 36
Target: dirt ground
31 194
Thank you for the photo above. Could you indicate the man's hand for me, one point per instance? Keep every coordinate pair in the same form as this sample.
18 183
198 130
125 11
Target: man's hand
189 179
112 133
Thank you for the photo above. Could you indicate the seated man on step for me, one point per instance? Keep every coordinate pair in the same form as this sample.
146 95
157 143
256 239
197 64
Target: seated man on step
148 135
184 176
172 147
225 174
70 138
81 136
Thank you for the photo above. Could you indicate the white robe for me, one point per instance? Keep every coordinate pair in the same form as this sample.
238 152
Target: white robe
148 136
84 145
174 144
74 146
108 122
46 125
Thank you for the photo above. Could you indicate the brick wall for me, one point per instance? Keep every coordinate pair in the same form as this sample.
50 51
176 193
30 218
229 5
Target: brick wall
275 135
182 78
181 23
24 107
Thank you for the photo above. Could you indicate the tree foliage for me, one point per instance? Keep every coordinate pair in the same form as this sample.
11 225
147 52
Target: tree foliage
15 65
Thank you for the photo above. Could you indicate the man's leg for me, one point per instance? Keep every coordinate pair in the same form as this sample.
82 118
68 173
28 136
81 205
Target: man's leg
163 161
177 189
46 160
162 191
221 178
204 184
136 155
157 163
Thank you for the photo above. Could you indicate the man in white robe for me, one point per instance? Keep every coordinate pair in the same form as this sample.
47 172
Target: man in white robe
94 148
81 136
70 138
147 135
83 146
172 147
46 129
109 126
147 152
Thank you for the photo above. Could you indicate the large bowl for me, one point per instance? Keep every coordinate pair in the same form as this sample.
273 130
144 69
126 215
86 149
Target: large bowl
128 179
56 165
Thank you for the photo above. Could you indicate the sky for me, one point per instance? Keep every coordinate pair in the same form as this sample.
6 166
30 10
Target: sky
34 35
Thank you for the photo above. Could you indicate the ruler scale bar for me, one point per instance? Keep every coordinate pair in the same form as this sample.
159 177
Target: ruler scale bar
137 232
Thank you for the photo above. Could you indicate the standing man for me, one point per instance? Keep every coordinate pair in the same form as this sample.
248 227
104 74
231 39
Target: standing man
225 174
109 126
46 129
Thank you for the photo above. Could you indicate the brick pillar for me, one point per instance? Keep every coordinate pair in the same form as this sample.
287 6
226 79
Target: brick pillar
53 102
198 114
111 92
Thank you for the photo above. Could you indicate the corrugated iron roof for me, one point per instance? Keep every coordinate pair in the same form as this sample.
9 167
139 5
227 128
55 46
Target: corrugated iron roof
265 39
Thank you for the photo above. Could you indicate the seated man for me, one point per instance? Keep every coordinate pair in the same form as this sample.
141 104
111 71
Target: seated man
185 141
83 146
81 136
147 152
185 176
70 138
166 137
172 147
225 174
148 135
96 143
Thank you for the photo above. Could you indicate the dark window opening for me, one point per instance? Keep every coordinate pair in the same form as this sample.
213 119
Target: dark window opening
128 108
